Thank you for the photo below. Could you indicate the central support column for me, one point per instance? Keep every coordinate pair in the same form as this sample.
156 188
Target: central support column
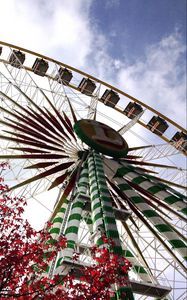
103 217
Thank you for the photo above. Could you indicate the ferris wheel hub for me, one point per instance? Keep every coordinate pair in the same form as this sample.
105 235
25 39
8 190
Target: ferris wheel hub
101 138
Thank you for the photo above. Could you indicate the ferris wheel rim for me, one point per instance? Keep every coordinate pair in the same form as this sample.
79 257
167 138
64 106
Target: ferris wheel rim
46 58
121 92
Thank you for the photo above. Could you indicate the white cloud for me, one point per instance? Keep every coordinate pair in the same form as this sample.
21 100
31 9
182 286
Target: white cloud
67 31
111 3
58 28
159 80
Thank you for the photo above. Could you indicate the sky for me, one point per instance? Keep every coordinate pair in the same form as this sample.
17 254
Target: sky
138 45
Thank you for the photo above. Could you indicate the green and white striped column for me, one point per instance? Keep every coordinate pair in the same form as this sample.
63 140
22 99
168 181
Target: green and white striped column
106 205
148 212
88 220
159 190
136 266
169 189
96 211
103 215
55 231
58 221
74 219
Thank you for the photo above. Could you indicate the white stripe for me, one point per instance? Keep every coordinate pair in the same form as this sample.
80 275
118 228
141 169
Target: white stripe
146 185
143 206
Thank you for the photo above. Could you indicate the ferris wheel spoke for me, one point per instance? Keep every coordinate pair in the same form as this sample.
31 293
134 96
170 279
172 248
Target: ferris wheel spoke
56 126
60 167
153 152
156 189
72 111
40 117
36 144
143 163
157 201
166 187
59 180
137 248
144 221
92 110
36 128
30 150
67 190
34 156
137 267
139 206
128 126
159 179
41 165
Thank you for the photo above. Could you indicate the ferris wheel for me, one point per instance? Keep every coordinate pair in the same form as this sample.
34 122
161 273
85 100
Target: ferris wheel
115 165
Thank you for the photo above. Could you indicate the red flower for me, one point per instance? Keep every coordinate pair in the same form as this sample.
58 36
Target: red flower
25 254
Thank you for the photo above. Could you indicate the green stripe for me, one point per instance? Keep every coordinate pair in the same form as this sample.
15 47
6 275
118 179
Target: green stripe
106 198
59 262
99 241
55 230
123 186
139 179
51 241
139 269
97 205
155 189
137 199
112 234
163 228
70 244
171 199
127 253
71 229
109 220
184 210
177 244
97 216
117 250
74 217
103 190
107 208
95 197
77 204
58 220
121 172
95 188
150 213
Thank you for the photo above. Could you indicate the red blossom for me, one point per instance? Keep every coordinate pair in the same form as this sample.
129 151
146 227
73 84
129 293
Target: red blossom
26 253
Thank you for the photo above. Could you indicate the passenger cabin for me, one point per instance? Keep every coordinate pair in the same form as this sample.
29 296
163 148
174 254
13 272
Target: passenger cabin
132 110
110 98
157 125
180 139
64 76
17 58
40 66
87 86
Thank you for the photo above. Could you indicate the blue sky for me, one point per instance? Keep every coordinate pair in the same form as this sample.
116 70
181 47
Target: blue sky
137 45
134 25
